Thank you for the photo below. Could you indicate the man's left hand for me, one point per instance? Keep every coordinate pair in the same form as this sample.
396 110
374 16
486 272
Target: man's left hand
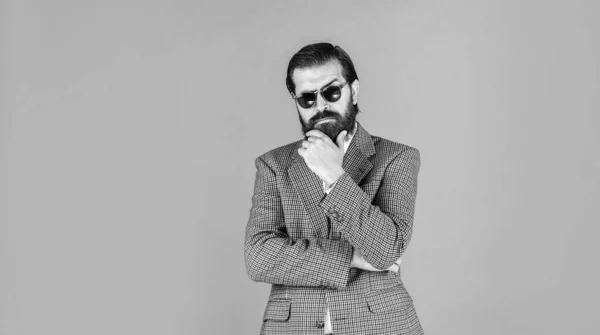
359 261
322 156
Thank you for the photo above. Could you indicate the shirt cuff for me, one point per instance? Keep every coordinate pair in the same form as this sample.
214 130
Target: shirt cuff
328 189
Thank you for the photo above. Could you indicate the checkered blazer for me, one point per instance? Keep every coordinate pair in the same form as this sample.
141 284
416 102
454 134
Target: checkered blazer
300 240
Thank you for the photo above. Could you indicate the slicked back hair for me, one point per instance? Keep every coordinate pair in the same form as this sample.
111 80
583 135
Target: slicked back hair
319 54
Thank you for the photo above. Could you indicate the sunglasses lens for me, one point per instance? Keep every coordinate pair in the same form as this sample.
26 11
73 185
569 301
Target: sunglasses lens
307 100
332 93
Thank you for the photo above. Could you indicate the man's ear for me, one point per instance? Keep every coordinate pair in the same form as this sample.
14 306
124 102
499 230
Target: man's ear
355 88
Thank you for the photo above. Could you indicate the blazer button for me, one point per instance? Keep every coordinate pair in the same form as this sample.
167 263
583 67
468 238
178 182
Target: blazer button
320 324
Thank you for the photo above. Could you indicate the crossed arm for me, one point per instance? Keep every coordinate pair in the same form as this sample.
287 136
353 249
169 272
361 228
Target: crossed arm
374 236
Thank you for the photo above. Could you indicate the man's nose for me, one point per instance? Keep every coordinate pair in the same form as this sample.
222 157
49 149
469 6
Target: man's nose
321 103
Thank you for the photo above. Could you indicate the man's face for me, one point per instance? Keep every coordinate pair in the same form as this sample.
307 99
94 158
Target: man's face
329 117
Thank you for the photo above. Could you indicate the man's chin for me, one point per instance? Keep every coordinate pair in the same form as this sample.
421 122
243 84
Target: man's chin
331 128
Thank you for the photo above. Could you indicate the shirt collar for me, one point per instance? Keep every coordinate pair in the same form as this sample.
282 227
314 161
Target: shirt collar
349 137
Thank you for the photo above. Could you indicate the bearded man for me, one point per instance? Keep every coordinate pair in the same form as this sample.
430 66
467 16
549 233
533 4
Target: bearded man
332 214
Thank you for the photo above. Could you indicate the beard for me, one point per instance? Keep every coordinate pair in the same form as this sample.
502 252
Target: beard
332 128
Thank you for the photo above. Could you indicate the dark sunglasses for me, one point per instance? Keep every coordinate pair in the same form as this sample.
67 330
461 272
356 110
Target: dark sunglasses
331 93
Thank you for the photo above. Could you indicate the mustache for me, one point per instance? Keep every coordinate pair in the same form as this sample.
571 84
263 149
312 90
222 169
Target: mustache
323 115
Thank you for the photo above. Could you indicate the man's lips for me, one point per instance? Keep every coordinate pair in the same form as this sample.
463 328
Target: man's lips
324 120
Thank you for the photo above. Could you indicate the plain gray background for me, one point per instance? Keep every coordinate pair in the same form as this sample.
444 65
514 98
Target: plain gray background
133 126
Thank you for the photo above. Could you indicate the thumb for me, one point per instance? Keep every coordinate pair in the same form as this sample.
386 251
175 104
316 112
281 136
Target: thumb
340 139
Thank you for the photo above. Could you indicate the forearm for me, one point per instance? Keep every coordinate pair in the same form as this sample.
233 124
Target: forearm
274 258
381 239
380 228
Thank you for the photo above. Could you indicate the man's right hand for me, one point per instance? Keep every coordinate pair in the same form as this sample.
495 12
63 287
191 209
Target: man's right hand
358 261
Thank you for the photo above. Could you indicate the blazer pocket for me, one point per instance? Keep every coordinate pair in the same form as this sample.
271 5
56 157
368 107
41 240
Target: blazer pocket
278 310
388 299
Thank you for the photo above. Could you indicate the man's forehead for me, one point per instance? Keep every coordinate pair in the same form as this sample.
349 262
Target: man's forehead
312 78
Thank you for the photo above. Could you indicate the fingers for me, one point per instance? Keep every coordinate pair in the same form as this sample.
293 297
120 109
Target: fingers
324 140
308 144
316 141
318 134
315 133
301 151
396 266
358 261
315 136
314 145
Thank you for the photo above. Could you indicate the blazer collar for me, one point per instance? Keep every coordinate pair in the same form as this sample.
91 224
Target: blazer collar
357 161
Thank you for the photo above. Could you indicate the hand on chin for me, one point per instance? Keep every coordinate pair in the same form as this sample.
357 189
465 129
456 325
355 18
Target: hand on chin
329 127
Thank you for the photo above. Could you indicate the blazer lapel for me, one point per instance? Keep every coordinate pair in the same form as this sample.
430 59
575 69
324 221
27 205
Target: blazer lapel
356 160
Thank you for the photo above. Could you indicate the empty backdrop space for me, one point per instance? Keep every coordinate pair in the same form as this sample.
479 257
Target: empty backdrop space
133 126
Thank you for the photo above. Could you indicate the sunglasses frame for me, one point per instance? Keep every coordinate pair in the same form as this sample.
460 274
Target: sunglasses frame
320 92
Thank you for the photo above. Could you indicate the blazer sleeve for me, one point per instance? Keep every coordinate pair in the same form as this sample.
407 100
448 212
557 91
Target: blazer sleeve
381 229
273 257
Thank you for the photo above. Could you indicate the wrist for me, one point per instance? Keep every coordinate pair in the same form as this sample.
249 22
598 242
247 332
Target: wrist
332 177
